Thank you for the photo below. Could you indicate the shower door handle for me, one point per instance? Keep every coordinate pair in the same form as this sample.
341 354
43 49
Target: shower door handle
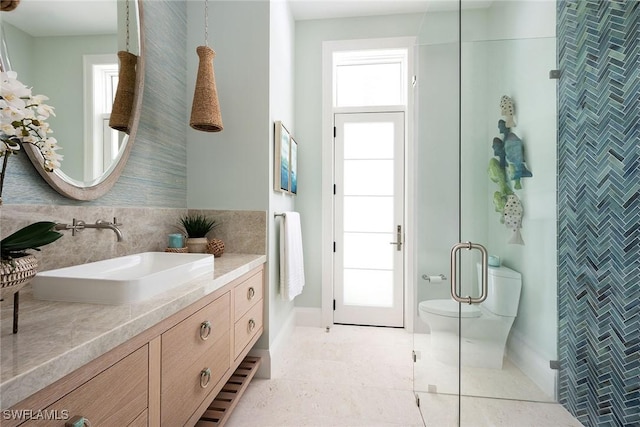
454 270
398 241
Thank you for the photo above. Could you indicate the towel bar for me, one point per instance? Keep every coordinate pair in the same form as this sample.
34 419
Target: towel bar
279 214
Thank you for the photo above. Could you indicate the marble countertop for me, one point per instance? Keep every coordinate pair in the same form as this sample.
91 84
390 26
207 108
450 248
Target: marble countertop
56 338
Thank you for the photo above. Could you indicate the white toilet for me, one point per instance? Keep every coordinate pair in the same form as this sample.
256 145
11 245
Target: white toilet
485 327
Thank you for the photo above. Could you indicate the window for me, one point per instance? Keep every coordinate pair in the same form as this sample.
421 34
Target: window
101 142
370 78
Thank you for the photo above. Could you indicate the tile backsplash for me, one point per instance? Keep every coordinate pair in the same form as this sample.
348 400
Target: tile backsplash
243 232
143 229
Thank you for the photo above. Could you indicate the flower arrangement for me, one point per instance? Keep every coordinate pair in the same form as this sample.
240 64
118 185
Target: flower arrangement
23 121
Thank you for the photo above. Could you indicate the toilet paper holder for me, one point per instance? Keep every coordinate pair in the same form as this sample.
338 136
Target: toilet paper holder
438 278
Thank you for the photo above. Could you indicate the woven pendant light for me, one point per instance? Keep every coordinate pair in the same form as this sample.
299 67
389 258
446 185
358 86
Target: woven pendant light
123 101
8 5
205 110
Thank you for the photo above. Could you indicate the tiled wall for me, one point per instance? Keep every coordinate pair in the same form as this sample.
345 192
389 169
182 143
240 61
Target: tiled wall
143 229
242 232
156 173
599 210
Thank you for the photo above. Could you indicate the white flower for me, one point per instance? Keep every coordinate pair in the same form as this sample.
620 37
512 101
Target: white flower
12 88
7 129
44 111
37 99
12 113
51 158
23 121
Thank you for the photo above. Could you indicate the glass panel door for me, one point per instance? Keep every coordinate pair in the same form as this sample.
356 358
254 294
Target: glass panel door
507 201
491 183
369 196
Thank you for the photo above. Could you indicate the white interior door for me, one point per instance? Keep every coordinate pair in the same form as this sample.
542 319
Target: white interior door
369 219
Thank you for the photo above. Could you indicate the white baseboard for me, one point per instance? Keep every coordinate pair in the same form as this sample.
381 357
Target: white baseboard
269 356
264 370
531 363
308 316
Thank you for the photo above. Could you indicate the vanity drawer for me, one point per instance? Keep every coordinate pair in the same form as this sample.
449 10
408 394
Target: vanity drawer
246 294
247 327
189 339
187 386
115 397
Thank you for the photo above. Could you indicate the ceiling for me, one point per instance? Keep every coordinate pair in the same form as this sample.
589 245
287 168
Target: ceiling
75 17
64 18
326 9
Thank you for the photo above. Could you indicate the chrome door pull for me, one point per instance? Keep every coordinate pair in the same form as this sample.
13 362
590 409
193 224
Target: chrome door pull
454 267
398 241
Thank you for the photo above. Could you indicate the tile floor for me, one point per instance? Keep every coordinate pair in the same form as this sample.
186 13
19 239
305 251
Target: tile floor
441 410
506 383
363 376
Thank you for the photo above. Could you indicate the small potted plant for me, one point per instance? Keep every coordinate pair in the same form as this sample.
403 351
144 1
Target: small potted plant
196 227
16 261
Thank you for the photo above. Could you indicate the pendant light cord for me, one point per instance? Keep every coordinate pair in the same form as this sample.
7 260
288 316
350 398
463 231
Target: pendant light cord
127 8
206 23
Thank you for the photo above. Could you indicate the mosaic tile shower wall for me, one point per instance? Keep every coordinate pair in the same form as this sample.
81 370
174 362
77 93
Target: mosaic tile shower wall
599 210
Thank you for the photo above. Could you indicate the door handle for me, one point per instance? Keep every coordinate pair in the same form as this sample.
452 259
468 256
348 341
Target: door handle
398 241
454 270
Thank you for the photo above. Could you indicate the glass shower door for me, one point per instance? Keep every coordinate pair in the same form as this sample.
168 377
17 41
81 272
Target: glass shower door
498 71
508 204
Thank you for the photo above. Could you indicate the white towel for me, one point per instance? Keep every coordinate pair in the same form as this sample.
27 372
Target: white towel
291 258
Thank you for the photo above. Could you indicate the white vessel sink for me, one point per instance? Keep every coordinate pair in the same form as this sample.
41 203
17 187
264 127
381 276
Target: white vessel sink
121 280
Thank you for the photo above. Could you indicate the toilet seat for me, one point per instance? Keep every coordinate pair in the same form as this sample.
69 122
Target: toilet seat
449 308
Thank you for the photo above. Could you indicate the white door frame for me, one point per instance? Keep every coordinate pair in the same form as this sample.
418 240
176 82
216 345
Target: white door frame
328 48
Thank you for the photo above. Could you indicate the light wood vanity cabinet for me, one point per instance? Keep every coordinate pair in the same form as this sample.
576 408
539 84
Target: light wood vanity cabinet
169 374
116 397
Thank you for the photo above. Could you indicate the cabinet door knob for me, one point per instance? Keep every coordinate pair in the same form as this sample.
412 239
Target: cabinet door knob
205 330
76 421
205 377
251 326
251 293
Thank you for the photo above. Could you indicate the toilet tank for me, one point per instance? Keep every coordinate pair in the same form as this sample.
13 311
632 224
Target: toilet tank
503 290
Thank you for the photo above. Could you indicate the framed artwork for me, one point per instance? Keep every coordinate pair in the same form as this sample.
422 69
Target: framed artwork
293 166
281 155
286 161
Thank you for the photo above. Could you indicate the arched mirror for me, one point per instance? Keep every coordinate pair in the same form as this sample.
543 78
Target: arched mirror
68 51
